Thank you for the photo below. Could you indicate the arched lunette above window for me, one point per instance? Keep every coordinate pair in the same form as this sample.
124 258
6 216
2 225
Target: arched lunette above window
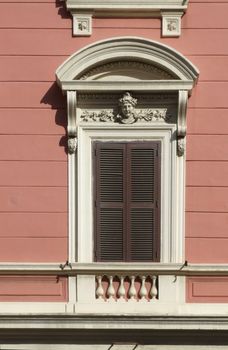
127 64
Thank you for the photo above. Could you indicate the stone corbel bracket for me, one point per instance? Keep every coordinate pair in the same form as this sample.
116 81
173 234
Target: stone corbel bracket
181 122
72 121
170 11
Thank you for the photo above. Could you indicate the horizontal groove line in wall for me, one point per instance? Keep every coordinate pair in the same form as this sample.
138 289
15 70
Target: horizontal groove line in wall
29 134
207 186
33 237
203 237
34 108
33 212
206 212
33 186
32 160
30 81
207 55
47 28
206 134
32 55
27 2
29 161
23 186
206 160
207 108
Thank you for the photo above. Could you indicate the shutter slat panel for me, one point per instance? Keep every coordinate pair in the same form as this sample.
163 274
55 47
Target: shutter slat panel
142 175
111 175
142 227
111 234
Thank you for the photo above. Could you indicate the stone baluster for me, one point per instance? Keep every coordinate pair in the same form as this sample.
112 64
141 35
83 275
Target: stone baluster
143 290
111 290
100 289
154 290
121 290
132 290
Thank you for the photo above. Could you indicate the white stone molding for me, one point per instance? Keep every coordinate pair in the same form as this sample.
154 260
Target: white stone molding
181 121
126 48
71 113
172 184
145 85
127 8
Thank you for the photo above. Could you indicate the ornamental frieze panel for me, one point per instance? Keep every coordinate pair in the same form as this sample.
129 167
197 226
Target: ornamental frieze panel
126 112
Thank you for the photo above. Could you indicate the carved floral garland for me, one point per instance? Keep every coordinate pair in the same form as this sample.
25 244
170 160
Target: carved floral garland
149 115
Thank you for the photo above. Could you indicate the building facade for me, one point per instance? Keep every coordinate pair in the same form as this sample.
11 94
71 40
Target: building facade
113 181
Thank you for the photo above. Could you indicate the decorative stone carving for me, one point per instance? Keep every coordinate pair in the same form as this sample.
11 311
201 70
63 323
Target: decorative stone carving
127 114
82 24
181 122
127 106
151 71
103 116
71 125
149 115
171 24
181 147
72 145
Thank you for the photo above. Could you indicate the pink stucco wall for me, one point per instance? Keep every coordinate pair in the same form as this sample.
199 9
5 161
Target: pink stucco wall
36 37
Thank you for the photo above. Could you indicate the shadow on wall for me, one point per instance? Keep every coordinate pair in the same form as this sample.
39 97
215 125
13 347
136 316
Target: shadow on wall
57 101
62 11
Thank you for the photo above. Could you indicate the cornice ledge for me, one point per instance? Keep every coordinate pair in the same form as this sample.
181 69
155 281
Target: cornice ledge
130 323
170 11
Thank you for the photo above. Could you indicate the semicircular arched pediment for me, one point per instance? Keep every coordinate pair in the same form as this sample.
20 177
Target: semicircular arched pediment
127 57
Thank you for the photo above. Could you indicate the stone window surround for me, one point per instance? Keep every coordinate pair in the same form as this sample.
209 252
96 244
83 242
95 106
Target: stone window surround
82 135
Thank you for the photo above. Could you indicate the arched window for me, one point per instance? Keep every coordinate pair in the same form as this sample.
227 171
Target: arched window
127 100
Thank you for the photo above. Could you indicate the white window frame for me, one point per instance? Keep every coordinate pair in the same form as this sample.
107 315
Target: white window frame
172 186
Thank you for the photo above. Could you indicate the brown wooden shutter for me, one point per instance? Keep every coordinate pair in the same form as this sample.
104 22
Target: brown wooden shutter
127 187
143 201
109 208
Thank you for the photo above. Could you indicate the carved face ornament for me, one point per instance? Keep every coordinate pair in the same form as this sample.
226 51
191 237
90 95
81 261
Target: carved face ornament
127 106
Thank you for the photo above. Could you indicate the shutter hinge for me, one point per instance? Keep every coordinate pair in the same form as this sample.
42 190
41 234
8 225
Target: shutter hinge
95 204
157 204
